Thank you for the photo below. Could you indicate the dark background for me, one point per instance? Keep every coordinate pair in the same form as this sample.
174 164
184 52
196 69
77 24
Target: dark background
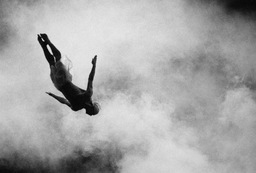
245 7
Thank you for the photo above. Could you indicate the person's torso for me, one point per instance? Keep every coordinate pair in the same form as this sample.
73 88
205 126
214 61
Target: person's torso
76 96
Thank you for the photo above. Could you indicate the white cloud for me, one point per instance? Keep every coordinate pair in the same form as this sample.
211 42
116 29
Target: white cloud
175 82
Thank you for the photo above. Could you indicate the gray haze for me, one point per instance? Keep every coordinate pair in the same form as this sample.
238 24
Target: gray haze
176 82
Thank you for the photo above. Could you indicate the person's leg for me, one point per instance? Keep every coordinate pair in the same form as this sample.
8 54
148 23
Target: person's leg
47 54
55 51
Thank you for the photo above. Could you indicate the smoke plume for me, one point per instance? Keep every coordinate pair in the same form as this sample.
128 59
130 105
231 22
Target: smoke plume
175 80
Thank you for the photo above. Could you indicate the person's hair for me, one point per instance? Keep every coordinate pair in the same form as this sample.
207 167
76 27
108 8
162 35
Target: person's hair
93 109
96 108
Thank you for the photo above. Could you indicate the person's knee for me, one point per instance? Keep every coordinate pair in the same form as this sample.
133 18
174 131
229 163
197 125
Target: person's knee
57 55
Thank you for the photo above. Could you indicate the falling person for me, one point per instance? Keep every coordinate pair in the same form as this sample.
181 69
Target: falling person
76 98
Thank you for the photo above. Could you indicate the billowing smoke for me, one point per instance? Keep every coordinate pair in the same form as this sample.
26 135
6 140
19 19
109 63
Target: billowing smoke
175 80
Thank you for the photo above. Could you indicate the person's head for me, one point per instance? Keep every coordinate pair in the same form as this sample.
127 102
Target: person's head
94 109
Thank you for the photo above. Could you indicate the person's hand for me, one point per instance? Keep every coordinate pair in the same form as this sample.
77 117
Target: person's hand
94 60
50 94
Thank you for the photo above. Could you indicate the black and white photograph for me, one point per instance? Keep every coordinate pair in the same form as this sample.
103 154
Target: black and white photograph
127 86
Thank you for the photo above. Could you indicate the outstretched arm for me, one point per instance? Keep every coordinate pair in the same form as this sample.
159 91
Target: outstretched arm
91 76
60 99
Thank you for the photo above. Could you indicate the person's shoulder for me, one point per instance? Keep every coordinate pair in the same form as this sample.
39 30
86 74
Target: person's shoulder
87 93
74 108
81 89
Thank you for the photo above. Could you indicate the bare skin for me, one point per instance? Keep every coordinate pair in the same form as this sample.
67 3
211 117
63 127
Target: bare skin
75 97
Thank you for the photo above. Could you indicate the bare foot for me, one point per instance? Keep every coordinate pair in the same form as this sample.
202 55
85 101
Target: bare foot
40 40
45 37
